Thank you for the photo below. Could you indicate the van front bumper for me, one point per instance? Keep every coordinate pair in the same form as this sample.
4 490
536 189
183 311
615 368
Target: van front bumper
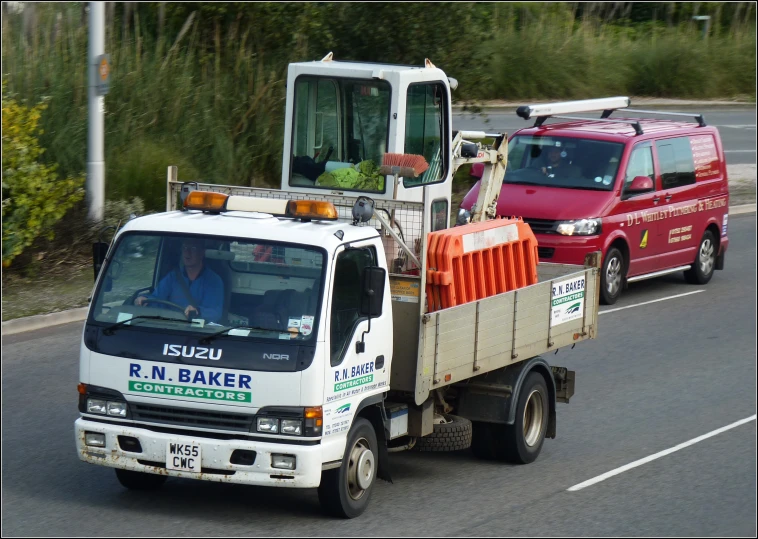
215 456
566 249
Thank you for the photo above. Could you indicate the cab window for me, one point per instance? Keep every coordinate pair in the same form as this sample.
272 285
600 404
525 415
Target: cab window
340 134
676 162
346 300
425 131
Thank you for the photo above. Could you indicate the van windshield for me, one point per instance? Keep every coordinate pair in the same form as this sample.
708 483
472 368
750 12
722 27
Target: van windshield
210 288
572 163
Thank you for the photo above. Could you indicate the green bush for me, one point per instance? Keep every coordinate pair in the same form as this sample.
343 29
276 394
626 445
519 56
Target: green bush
140 170
34 197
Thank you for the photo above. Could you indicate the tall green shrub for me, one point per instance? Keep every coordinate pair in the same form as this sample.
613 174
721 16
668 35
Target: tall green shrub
34 197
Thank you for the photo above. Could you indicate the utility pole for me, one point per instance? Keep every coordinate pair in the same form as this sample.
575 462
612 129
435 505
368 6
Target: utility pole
99 73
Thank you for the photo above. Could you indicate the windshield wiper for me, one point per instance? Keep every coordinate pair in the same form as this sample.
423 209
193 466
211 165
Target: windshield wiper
109 329
209 338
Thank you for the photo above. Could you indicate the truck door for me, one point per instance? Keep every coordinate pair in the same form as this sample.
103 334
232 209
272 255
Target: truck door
352 376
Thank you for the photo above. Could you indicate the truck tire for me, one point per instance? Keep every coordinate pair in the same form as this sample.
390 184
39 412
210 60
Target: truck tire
482 443
451 436
612 276
521 442
139 480
705 261
345 492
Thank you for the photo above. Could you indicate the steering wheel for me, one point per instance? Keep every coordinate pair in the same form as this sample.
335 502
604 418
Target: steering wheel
166 302
136 294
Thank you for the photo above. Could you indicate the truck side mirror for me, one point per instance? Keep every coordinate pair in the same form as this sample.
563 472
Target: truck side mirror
99 250
372 294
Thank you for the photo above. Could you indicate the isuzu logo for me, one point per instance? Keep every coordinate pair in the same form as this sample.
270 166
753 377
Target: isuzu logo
277 357
197 352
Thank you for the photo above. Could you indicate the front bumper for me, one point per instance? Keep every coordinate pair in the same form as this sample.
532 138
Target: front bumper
566 249
215 456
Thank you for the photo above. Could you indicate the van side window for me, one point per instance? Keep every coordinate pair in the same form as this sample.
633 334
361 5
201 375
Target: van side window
640 164
346 297
677 164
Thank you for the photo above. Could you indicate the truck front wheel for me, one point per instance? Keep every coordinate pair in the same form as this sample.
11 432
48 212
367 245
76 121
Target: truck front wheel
345 491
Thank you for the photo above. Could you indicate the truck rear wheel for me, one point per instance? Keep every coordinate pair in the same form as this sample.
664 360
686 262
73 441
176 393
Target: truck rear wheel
521 442
453 434
345 491
139 480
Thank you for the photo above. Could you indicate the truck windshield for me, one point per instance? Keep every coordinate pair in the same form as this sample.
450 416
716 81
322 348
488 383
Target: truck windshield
573 163
340 133
200 286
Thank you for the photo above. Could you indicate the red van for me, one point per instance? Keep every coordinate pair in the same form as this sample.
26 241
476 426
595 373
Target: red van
651 194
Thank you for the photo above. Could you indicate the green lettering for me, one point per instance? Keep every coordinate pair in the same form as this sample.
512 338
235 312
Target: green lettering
241 396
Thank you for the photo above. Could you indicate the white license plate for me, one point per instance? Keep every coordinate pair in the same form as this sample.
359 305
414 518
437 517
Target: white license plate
183 457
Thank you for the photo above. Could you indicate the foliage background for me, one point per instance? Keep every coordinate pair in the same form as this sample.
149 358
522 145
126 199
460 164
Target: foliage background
202 85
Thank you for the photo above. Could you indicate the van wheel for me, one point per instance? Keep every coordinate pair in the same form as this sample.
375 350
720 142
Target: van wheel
345 491
139 480
705 261
612 277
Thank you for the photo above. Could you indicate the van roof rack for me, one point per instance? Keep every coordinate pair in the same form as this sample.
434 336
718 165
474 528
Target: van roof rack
635 124
542 112
698 117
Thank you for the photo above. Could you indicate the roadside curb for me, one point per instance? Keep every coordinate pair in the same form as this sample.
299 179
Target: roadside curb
40 321
30 323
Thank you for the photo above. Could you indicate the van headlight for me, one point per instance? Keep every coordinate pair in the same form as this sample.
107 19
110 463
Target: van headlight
579 227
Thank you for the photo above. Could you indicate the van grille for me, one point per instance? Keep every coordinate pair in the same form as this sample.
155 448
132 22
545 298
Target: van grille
187 417
545 252
541 226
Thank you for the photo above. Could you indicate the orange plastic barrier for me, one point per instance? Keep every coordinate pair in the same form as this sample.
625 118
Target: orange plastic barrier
475 261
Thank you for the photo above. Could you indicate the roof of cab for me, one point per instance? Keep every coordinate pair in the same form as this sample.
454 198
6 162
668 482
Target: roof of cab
250 225
651 128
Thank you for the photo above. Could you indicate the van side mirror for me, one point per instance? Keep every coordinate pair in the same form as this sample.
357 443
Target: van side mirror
99 250
640 184
372 293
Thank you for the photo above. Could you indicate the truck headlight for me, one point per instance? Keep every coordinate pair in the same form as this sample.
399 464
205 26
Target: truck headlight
268 424
116 408
96 406
292 426
579 227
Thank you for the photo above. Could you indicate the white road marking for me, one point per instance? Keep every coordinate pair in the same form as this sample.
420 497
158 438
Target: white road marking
652 301
739 151
663 453
745 126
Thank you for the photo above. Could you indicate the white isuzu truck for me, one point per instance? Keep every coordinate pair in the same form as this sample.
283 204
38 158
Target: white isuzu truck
283 337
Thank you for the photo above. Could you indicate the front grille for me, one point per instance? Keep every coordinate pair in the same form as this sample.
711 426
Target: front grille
541 226
545 252
187 417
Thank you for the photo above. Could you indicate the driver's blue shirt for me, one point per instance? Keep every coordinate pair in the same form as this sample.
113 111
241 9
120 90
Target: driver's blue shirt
207 290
